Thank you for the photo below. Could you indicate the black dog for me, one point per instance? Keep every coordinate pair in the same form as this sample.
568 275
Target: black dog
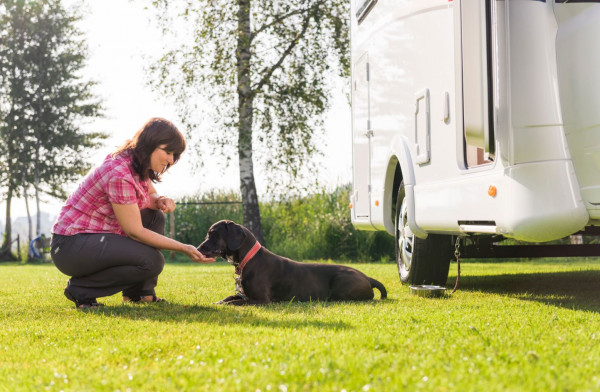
266 277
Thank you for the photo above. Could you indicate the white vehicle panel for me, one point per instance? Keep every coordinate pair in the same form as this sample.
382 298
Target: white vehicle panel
543 158
578 36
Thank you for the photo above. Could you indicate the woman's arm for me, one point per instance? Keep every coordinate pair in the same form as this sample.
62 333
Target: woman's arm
158 202
130 219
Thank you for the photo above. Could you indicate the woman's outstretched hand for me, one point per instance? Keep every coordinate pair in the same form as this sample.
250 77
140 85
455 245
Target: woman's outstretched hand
196 256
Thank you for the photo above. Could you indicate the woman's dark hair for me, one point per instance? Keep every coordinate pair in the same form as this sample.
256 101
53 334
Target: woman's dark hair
156 132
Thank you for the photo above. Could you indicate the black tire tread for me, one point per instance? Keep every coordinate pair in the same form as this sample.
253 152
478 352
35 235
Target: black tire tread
430 258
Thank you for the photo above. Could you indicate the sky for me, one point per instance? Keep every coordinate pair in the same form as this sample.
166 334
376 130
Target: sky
120 38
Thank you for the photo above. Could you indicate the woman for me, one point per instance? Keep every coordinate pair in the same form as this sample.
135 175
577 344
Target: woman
109 233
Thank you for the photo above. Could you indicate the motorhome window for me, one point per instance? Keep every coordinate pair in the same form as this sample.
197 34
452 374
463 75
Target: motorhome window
363 7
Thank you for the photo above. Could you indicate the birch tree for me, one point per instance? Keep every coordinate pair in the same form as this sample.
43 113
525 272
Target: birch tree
266 68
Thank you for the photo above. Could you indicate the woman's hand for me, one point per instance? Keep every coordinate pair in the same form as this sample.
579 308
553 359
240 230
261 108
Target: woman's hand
129 217
195 255
165 204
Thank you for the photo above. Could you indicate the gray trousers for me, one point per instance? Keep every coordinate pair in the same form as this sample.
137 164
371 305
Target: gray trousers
104 264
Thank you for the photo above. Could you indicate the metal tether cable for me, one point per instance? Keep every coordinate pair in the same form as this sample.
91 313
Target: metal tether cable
457 254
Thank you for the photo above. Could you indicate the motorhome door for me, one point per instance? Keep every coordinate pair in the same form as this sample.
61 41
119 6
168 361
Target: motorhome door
361 134
478 43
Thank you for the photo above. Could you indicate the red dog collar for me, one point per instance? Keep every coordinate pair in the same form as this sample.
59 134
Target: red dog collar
248 256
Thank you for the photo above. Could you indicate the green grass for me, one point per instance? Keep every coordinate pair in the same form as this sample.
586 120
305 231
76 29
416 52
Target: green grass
531 326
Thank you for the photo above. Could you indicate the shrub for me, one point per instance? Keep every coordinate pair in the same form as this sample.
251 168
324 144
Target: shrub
315 227
195 214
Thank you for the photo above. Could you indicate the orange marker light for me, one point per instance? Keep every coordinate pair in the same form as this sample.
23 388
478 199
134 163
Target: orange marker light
376 203
350 206
492 191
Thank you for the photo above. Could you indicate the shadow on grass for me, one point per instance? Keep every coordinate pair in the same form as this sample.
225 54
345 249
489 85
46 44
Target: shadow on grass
314 306
578 290
217 314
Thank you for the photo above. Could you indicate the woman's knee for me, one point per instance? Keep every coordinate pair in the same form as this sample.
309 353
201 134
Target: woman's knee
157 263
153 220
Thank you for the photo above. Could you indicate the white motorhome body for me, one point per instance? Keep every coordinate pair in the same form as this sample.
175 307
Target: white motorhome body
477 117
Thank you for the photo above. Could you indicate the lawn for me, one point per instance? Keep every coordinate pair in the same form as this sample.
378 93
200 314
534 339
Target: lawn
529 326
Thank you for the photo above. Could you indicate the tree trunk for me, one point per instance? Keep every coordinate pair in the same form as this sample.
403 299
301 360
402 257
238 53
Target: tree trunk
172 231
250 208
5 251
36 187
30 226
38 219
29 222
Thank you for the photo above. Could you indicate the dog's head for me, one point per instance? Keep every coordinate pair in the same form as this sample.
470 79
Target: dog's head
225 239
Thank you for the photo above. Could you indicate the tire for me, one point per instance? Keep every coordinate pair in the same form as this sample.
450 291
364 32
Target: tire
420 261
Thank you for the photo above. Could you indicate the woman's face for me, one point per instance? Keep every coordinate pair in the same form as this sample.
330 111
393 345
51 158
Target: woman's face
161 158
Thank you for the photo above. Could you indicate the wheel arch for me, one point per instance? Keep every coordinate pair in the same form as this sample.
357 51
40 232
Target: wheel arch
393 178
400 168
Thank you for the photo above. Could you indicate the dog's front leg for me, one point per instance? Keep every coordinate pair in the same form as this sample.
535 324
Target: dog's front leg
249 301
229 299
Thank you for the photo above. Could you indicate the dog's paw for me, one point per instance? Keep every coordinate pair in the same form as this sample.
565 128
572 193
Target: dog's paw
227 300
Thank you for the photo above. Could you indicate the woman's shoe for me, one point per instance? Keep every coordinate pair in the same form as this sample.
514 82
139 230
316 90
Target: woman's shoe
91 304
143 299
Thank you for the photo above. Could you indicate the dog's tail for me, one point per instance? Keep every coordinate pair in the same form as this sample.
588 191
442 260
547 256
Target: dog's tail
379 286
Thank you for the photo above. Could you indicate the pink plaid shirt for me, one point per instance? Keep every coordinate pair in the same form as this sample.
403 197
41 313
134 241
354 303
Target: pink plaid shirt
89 209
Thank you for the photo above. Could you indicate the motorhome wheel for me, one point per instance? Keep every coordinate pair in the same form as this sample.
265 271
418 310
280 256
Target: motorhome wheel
420 261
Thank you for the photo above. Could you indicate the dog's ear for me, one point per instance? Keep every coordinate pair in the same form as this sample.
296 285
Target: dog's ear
235 236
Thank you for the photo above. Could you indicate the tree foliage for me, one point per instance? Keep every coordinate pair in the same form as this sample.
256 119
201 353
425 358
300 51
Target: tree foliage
266 68
44 99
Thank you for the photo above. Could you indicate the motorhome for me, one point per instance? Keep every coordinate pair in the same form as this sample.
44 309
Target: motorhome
474 118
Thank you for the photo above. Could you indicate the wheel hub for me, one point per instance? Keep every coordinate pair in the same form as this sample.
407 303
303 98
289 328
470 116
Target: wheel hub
405 239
